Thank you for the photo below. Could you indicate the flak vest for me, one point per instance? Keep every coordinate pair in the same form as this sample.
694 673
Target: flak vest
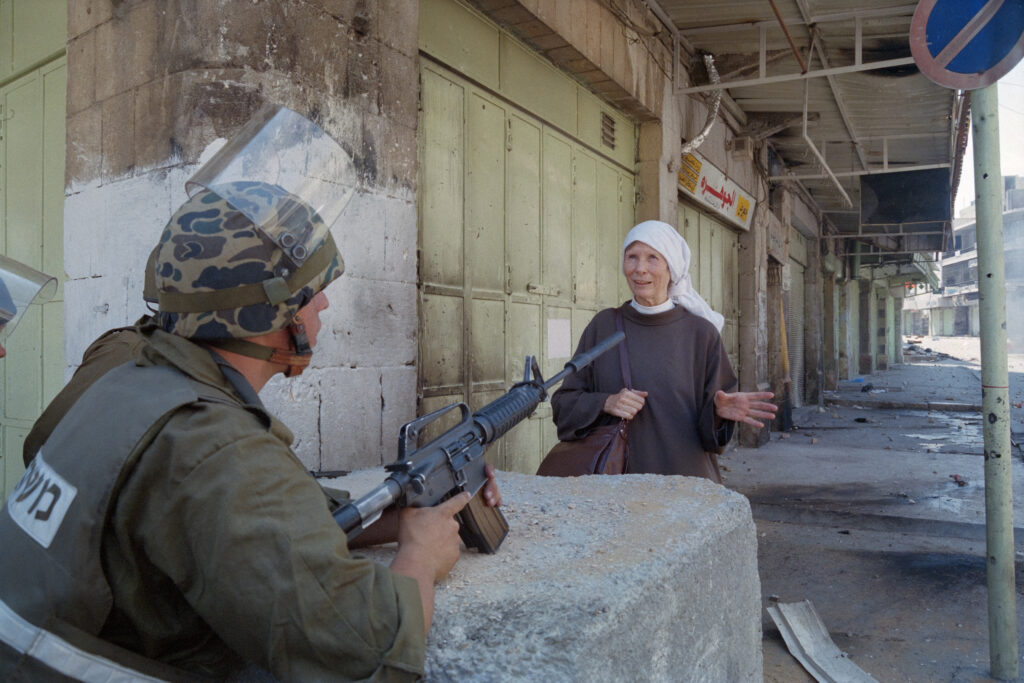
54 597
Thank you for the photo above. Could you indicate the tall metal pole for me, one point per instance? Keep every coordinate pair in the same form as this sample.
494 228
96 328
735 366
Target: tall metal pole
995 393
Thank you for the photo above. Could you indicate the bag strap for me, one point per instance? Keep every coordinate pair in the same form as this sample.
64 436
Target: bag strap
623 357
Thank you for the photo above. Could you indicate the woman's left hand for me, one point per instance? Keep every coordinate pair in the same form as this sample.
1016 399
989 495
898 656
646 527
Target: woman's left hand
745 406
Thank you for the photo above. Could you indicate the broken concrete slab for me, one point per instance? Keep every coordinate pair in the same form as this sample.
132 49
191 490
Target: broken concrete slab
637 577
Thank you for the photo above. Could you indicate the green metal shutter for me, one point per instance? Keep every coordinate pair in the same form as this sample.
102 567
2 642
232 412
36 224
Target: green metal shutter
520 232
32 116
714 270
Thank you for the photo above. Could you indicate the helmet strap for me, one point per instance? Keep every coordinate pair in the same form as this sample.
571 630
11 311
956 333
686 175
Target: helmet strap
296 358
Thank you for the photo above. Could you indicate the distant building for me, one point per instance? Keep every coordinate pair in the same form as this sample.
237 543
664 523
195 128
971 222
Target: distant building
952 309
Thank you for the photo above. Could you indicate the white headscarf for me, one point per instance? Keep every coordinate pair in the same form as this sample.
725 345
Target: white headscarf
664 239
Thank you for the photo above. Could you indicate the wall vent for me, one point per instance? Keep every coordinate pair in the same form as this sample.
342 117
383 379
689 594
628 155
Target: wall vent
607 131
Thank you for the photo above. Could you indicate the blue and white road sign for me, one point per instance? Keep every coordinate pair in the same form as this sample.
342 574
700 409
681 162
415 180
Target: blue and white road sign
967 44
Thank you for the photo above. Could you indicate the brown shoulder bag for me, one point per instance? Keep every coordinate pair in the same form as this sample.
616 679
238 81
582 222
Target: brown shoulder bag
604 450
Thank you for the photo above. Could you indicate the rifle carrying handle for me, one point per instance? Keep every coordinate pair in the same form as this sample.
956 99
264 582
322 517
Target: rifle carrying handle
481 526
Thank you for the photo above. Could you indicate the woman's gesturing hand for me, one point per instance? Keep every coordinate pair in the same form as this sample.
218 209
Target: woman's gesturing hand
745 406
625 404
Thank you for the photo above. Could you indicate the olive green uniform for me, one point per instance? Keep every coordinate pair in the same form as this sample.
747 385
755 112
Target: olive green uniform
220 550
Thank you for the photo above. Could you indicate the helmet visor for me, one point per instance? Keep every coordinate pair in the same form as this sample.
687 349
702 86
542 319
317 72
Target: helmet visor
20 286
287 151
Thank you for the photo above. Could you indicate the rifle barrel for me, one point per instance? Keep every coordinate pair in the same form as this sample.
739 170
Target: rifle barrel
582 360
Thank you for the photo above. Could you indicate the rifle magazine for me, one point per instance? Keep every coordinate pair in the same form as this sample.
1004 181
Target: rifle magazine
481 526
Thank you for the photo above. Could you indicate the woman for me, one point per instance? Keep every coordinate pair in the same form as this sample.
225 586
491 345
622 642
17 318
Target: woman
680 408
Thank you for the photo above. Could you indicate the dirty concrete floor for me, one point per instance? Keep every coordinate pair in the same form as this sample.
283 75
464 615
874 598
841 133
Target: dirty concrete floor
876 515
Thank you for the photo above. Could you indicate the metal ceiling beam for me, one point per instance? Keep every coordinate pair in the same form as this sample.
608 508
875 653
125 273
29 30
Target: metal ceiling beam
762 133
789 37
902 10
784 78
820 157
857 235
818 46
883 254
845 174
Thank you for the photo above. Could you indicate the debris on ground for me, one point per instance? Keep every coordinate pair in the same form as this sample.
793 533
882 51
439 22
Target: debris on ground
810 643
960 481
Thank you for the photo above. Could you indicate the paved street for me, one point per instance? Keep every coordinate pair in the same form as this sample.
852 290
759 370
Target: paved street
873 509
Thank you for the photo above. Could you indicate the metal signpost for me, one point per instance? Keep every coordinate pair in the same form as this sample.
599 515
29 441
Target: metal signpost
969 45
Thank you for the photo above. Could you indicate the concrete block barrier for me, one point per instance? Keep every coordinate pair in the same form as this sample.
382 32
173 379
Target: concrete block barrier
632 578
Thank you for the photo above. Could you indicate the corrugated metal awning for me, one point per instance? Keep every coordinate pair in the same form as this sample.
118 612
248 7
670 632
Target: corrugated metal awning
834 90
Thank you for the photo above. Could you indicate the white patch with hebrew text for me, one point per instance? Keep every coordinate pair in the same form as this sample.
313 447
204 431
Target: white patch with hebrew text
40 500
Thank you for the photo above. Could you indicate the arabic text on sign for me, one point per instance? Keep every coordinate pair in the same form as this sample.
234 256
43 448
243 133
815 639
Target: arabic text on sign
722 195
742 208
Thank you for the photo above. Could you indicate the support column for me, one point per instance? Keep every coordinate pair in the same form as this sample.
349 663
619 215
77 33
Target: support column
830 325
867 327
813 324
754 317
995 404
658 160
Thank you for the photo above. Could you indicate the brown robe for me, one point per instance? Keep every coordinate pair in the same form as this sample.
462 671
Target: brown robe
677 357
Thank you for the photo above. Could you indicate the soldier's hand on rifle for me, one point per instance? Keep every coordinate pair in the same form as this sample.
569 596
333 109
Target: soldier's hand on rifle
625 404
431 535
428 546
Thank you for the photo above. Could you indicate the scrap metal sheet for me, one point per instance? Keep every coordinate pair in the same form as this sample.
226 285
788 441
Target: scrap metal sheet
810 643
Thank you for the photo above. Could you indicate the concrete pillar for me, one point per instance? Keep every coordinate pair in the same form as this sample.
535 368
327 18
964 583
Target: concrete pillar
898 332
755 318
658 159
868 327
814 336
629 578
155 85
842 327
830 325
883 311
777 283
853 323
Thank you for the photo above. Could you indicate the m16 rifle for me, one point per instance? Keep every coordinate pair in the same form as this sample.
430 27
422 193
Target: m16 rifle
453 462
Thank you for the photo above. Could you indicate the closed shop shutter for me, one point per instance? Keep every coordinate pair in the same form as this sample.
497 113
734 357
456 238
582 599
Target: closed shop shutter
714 270
32 121
521 227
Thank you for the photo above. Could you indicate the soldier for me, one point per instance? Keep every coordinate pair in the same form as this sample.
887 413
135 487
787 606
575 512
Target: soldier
164 528
20 286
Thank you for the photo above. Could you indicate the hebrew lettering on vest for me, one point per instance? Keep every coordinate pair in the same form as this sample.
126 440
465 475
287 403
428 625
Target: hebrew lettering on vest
28 483
53 490
41 516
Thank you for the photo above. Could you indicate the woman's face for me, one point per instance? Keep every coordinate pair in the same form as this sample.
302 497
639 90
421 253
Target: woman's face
647 274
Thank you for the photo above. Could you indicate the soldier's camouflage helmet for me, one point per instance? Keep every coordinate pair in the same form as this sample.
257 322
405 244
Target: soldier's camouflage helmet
219 277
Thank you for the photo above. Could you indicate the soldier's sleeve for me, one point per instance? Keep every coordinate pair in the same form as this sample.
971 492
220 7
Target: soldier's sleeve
247 534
